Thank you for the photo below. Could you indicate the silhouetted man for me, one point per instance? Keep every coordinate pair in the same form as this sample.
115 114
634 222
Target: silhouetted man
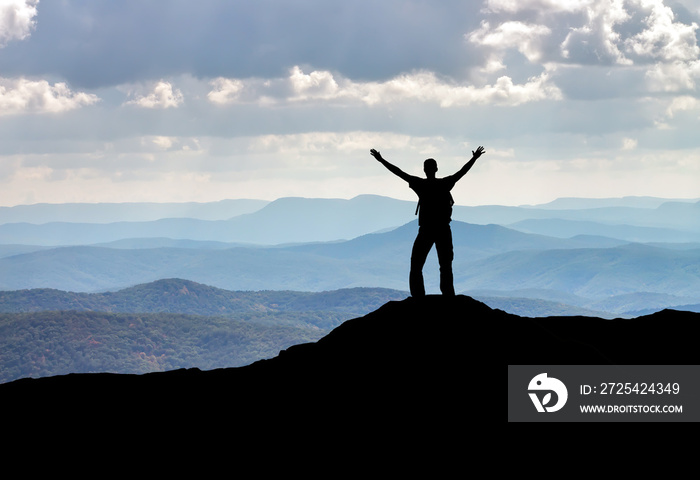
434 217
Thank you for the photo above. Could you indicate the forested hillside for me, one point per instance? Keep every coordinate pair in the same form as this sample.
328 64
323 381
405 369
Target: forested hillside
165 325
50 343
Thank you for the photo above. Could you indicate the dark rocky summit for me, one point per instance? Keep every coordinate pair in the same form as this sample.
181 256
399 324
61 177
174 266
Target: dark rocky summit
433 363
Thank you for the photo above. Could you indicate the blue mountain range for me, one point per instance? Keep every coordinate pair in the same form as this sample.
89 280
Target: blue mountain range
611 255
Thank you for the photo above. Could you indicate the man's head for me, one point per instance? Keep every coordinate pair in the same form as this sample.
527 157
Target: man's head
430 167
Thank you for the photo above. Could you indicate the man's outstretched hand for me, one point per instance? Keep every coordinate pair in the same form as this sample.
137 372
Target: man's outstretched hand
375 154
476 153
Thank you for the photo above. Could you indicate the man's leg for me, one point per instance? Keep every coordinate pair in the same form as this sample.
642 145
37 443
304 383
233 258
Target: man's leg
421 248
445 252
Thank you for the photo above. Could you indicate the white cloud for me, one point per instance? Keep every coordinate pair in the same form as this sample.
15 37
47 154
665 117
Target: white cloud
646 48
317 84
351 143
513 34
163 142
672 46
629 143
428 88
225 90
682 103
162 96
613 32
16 19
663 39
526 38
38 96
419 86
598 39
673 77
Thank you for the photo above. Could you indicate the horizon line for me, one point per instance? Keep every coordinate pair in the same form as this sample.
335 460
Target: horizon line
204 202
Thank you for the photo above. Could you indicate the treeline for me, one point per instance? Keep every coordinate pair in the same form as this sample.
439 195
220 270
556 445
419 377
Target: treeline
184 296
52 343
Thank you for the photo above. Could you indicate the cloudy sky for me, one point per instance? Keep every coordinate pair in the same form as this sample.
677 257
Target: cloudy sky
184 100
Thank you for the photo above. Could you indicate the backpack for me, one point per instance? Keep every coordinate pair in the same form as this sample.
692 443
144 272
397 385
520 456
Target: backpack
440 208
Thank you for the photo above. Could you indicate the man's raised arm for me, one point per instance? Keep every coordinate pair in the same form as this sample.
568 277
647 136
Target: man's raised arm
392 168
463 171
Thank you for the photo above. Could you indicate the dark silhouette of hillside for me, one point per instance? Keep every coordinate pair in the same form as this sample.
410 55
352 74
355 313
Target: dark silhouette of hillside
430 363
